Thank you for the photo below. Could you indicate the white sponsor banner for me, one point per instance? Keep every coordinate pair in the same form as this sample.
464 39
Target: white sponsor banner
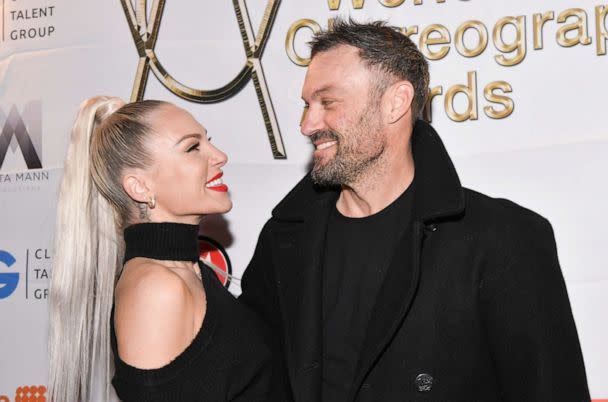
27 219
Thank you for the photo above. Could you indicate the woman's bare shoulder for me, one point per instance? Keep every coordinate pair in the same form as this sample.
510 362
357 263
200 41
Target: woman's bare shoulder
153 315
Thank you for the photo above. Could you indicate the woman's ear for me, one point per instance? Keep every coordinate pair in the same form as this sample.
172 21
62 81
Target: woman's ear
399 97
136 186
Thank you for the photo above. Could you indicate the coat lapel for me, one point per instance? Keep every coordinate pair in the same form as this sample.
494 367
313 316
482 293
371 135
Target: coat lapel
437 195
392 303
301 295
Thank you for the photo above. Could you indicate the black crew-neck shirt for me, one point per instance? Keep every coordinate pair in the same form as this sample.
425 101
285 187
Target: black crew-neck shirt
357 254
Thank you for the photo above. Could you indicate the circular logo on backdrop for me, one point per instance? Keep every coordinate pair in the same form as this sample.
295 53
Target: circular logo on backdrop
212 252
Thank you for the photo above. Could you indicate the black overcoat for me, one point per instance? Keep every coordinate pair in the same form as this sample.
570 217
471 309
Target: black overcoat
481 314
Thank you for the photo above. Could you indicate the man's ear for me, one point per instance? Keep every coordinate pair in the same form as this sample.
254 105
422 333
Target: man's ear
136 186
399 97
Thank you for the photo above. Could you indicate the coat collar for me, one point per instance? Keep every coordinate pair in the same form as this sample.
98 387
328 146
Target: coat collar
438 194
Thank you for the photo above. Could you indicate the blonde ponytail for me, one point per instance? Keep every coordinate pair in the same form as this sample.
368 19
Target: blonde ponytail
93 208
87 255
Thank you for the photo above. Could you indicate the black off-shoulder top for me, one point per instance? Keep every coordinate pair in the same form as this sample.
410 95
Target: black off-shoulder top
228 360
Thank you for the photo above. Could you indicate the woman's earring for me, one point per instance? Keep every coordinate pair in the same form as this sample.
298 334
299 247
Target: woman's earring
152 202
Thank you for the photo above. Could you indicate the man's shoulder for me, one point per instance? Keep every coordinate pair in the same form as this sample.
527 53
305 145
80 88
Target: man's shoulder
502 215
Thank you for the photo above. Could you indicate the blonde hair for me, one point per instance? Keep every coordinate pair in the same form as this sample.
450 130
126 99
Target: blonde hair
108 136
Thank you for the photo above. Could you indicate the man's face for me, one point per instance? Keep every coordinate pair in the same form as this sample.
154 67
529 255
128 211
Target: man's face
343 119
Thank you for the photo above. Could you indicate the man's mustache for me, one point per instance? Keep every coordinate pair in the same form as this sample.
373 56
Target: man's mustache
324 135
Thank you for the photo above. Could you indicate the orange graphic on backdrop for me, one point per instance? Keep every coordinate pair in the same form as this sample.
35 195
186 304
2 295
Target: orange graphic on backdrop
31 393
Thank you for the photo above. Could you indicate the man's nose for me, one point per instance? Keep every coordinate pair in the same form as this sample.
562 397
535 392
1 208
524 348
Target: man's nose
312 121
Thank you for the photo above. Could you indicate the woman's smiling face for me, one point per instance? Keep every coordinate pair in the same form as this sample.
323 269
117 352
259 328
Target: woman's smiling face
185 175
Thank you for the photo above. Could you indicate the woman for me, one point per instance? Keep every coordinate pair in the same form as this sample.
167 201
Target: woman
138 179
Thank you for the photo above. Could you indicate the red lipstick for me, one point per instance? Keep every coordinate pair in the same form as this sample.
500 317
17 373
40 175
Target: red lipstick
219 186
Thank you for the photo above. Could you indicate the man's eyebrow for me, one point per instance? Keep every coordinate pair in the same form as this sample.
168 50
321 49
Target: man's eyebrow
320 91
191 135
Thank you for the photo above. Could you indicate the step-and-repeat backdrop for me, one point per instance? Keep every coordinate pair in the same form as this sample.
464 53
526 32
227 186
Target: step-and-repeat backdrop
518 88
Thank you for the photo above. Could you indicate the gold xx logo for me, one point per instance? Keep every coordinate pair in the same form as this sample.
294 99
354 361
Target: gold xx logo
145 33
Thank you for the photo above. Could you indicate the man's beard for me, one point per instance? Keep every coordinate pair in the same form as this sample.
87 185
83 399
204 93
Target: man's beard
354 156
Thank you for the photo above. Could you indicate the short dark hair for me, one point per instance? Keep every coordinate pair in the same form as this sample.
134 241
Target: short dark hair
383 47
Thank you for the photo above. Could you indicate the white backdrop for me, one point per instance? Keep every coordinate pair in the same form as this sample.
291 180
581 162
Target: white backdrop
549 153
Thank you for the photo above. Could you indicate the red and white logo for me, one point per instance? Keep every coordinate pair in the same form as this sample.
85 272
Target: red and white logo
212 253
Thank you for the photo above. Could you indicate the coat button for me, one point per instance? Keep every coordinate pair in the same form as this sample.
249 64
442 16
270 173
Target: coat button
424 382
432 227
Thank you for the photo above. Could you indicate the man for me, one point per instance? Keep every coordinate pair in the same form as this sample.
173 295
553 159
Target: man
381 277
